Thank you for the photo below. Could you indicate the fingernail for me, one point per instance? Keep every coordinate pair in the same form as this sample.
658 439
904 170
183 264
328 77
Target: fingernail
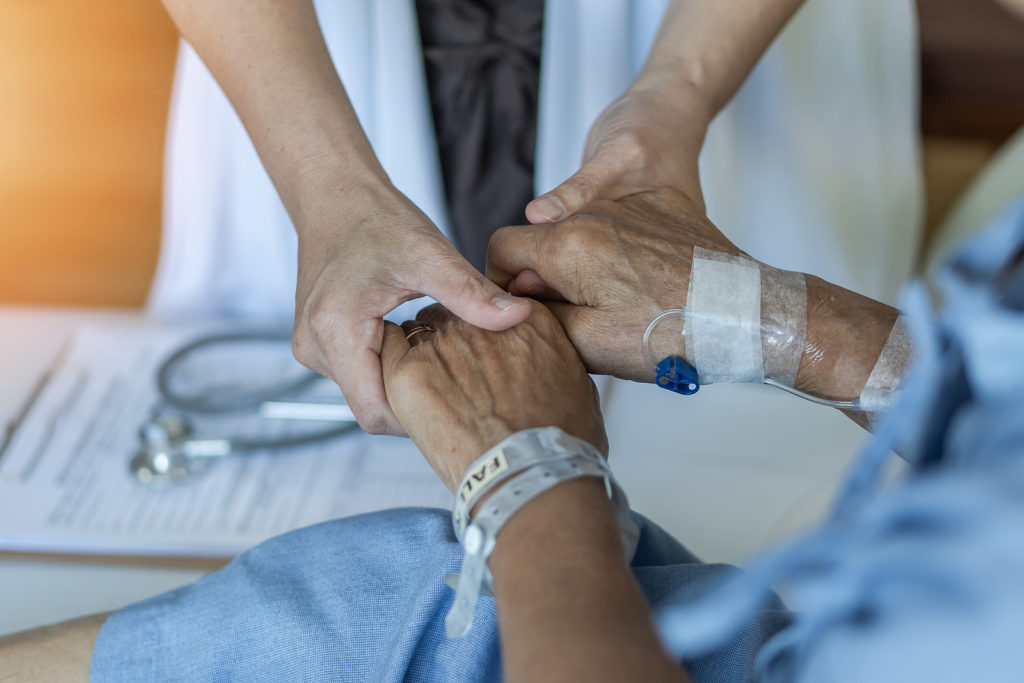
505 302
550 208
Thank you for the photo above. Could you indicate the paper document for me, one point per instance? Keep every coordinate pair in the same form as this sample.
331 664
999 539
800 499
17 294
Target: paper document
65 484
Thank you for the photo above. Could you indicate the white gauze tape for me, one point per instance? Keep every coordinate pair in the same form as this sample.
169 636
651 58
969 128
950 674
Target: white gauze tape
880 389
723 318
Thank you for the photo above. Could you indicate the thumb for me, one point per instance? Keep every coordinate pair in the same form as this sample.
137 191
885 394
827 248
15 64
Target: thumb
465 291
589 183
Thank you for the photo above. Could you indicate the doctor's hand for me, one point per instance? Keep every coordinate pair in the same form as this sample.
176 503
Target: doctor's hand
459 390
608 271
358 260
648 138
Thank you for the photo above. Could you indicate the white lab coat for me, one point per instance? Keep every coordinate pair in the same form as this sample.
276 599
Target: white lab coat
814 165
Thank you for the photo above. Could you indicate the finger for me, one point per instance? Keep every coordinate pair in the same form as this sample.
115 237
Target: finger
514 249
570 316
469 295
528 283
541 249
577 321
394 348
593 181
356 366
417 331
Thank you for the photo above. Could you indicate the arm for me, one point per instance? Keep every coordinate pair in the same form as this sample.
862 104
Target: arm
569 608
706 49
62 652
608 271
363 247
271 60
652 135
568 605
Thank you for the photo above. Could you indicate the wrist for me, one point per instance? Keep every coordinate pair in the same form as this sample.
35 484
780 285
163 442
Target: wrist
563 535
681 87
521 471
332 193
814 336
846 333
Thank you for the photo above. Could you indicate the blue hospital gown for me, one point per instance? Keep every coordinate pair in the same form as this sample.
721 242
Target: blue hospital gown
919 581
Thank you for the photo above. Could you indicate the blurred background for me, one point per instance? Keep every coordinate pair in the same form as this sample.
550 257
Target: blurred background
84 92
85 87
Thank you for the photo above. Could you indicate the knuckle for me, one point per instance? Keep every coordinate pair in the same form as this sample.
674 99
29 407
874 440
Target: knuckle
576 236
498 239
322 322
300 349
373 422
305 352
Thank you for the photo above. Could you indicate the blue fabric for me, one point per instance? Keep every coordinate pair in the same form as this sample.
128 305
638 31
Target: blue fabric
923 580
363 599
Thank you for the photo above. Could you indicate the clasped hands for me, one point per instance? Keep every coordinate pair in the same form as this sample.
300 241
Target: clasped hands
602 275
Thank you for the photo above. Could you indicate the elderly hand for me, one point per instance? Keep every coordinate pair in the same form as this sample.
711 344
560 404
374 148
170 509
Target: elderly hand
358 260
608 270
458 390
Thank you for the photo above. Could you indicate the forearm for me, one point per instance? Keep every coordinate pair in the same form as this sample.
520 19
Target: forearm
706 48
569 608
814 336
62 652
271 60
846 333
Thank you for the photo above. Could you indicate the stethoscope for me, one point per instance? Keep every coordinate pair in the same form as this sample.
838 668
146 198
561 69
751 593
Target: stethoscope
171 451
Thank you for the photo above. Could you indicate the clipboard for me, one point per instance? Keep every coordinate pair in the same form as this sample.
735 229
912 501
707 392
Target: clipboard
66 491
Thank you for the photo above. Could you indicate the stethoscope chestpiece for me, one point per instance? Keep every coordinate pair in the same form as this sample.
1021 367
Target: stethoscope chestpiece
162 456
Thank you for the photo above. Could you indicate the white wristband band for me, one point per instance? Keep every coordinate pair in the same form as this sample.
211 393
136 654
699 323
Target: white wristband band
481 535
542 458
517 453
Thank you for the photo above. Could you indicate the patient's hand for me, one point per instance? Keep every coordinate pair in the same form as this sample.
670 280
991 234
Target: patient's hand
617 264
609 270
459 390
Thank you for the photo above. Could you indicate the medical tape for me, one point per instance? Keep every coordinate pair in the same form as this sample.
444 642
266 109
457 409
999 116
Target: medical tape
723 318
744 321
514 454
783 323
481 535
747 322
881 388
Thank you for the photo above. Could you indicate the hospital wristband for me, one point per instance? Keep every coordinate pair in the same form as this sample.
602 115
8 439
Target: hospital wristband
513 455
481 535
545 472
